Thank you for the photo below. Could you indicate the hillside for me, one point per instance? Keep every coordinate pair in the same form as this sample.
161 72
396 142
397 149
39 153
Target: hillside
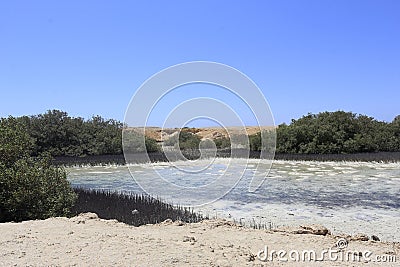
160 134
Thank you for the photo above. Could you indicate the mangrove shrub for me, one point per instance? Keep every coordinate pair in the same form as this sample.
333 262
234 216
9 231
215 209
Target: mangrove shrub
30 188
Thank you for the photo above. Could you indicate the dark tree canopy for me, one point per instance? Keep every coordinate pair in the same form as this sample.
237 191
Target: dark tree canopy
57 133
30 188
337 132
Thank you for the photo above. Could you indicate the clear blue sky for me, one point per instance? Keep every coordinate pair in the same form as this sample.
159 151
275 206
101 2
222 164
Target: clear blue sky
89 57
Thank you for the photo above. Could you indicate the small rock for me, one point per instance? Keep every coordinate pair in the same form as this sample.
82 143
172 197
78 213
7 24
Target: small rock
359 237
179 223
83 217
89 215
220 222
375 238
251 257
390 253
167 221
135 212
313 230
189 239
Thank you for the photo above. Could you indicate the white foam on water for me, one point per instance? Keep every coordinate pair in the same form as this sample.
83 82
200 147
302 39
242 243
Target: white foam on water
100 172
327 177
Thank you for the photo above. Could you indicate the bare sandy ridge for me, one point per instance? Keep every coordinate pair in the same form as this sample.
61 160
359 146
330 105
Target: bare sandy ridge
86 240
161 134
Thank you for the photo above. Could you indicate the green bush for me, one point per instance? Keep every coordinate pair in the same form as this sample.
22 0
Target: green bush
151 145
222 142
30 188
207 144
263 141
184 140
15 142
133 142
57 133
338 132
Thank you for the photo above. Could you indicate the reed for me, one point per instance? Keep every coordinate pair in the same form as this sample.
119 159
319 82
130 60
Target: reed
130 208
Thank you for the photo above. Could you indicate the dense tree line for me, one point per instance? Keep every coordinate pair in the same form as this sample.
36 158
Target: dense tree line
57 133
338 132
325 133
61 135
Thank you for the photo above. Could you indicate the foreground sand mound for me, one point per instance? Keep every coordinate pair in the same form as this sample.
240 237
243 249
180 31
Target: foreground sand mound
87 240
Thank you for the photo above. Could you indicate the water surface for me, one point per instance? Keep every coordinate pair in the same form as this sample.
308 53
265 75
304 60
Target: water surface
346 197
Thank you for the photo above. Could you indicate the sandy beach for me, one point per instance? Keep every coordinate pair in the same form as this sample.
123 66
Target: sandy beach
87 240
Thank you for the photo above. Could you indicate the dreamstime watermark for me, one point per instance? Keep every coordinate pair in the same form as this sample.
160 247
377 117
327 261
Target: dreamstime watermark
337 254
157 88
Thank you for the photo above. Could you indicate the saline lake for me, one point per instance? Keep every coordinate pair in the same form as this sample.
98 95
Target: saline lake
346 197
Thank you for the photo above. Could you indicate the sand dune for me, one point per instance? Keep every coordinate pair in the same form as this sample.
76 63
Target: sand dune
86 240
160 134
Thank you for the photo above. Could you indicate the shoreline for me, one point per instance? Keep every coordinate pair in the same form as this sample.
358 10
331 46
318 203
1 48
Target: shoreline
119 159
348 208
86 240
